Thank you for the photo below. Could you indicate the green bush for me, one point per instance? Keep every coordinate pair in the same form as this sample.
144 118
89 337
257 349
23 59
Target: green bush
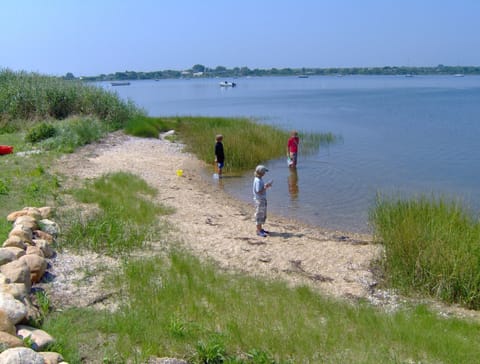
40 132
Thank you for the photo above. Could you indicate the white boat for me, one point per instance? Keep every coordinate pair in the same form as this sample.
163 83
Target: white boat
458 75
227 84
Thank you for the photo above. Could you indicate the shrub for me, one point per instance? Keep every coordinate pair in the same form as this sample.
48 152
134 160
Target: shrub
40 132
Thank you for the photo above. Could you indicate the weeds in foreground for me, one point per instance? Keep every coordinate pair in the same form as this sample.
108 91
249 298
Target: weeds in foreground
126 219
431 247
178 306
25 180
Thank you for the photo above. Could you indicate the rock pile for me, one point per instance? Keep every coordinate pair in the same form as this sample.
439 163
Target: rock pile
23 262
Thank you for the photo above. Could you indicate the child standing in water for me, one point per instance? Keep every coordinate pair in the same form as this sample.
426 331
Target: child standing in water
219 155
292 149
260 198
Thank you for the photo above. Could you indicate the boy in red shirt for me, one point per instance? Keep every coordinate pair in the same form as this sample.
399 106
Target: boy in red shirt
292 149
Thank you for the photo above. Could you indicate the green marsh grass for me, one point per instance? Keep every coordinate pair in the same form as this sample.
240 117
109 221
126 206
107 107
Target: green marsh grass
178 306
29 97
246 142
126 217
431 247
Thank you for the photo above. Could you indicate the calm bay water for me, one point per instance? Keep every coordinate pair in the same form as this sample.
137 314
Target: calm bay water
401 136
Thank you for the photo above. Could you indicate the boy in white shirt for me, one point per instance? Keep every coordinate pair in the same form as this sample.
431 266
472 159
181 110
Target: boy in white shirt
260 198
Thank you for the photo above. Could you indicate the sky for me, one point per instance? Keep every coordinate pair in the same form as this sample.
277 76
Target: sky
93 37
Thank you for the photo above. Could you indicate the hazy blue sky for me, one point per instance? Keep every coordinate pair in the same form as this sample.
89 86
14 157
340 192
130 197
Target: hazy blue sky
89 37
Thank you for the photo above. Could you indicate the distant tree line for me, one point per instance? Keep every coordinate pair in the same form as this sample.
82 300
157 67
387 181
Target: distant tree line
199 70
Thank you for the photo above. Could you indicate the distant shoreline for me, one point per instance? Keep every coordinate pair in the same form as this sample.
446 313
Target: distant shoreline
200 71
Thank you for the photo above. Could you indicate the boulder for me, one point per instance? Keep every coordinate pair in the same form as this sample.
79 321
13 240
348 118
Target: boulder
37 266
3 279
39 234
45 247
26 221
21 356
40 339
46 211
6 325
17 272
9 340
15 241
51 357
15 215
17 290
33 249
17 251
22 232
6 256
49 227
15 310
33 212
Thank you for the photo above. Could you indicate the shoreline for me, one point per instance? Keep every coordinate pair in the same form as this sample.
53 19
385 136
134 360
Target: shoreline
214 225
218 227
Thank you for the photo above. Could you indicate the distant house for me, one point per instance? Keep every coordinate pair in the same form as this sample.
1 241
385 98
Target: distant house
198 74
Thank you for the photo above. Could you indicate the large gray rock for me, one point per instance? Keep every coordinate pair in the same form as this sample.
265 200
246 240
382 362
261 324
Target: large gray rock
15 310
21 356
49 226
40 339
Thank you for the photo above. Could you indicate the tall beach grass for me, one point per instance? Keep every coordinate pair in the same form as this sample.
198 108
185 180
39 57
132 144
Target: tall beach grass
27 97
432 247
247 143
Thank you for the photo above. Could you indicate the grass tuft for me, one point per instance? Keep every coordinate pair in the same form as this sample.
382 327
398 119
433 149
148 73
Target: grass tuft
126 219
431 247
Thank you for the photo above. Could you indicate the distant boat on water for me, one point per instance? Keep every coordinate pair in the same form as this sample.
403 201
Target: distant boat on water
458 75
120 83
302 76
408 75
227 84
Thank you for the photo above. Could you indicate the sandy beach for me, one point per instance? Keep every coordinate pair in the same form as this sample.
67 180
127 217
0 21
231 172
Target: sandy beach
213 225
